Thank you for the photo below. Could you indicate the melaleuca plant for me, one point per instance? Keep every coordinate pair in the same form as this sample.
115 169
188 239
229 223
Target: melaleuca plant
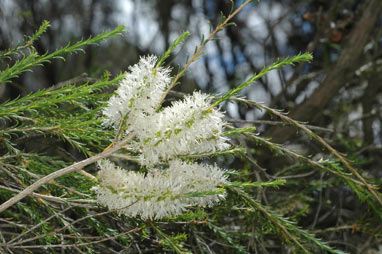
173 183
187 127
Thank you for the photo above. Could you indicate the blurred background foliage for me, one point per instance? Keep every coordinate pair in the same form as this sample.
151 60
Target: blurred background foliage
339 93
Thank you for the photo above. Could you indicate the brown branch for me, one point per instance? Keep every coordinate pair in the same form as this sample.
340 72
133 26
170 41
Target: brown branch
53 198
335 79
72 168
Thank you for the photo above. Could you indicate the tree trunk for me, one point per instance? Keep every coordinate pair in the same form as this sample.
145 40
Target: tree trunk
336 78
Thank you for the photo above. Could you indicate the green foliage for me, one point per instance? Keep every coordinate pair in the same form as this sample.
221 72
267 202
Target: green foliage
43 122
177 41
28 43
69 113
292 234
33 59
306 57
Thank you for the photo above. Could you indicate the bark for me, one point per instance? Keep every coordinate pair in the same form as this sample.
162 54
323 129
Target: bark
336 78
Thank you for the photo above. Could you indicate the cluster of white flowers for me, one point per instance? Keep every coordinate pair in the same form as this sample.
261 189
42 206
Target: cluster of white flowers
138 94
190 126
155 196
187 127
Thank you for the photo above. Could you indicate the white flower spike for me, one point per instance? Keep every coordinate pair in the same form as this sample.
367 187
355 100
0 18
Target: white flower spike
187 127
154 196
138 95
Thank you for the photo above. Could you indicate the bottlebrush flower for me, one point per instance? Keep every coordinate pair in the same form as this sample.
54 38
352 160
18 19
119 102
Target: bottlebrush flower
164 194
197 177
187 127
138 94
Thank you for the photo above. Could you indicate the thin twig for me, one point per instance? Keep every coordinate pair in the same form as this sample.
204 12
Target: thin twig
198 52
52 198
286 234
74 222
165 237
319 139
81 78
39 224
300 157
72 245
72 168
267 122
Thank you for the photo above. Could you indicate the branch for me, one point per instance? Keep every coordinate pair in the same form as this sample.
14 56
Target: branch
72 168
335 79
